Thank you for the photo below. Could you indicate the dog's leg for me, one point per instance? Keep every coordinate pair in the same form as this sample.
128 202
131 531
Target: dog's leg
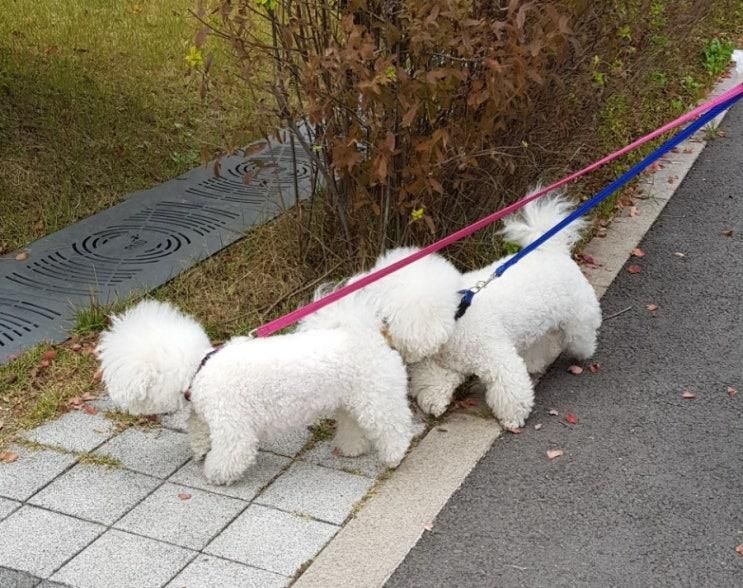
509 391
385 418
198 435
234 449
433 386
580 339
349 438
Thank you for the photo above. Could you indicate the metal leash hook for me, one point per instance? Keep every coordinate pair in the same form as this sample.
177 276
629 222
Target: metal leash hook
468 295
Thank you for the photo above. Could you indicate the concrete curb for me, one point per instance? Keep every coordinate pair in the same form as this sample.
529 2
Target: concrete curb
372 545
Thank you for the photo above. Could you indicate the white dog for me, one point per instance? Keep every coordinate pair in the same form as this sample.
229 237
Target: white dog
518 324
154 359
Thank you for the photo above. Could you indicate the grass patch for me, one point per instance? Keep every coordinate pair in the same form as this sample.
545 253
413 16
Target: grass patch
95 103
35 389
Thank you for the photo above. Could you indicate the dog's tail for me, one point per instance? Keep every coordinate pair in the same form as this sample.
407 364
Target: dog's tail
149 355
539 216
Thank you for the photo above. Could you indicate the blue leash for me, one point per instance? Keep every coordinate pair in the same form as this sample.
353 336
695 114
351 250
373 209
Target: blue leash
635 170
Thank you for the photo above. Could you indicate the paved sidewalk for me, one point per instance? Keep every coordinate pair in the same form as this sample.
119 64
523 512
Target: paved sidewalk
648 490
152 520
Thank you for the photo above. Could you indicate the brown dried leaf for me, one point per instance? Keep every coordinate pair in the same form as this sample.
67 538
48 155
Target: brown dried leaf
76 347
651 307
727 233
594 367
49 354
739 549
731 391
22 256
184 496
87 409
637 252
8 456
634 269
554 453
75 402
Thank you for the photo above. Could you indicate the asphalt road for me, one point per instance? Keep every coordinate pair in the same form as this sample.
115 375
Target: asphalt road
649 491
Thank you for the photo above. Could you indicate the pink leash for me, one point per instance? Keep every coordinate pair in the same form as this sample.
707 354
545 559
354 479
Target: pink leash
301 312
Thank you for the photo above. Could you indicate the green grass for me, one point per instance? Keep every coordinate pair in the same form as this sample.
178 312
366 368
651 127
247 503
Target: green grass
95 103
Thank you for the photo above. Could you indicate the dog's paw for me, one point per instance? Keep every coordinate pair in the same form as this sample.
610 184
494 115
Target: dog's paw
350 447
515 416
432 402
216 474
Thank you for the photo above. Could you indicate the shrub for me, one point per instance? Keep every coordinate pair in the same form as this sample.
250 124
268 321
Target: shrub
405 99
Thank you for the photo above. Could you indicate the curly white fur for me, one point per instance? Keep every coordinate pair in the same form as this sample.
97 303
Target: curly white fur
253 389
413 303
518 324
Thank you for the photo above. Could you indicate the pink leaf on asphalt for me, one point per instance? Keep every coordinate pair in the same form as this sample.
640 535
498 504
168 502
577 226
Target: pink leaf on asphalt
554 453
553 412
688 395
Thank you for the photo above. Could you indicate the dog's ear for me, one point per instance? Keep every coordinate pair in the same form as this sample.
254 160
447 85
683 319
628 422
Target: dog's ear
418 334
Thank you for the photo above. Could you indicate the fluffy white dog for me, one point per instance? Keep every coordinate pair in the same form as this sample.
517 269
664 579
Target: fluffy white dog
518 324
154 359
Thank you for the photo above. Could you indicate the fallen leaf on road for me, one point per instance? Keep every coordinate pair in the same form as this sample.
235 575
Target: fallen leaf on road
637 252
184 496
87 409
727 233
634 269
679 254
594 367
739 549
688 395
428 527
537 426
570 418
8 456
554 453
651 307
731 392
576 370
22 256
553 412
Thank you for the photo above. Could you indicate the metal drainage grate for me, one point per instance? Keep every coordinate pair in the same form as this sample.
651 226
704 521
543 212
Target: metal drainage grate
142 243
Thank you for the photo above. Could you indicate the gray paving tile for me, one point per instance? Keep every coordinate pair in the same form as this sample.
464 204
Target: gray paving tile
7 506
15 579
266 467
289 444
122 560
207 570
272 540
157 452
32 470
96 493
178 421
74 431
323 493
365 465
39 541
190 520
